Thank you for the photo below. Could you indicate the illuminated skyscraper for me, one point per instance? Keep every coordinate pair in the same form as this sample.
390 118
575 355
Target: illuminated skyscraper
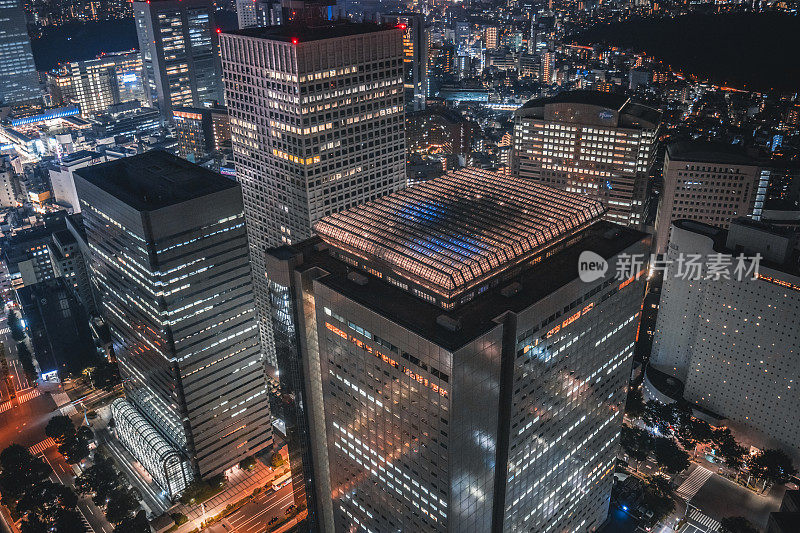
96 84
415 56
171 267
316 126
180 53
18 79
589 142
460 375
548 58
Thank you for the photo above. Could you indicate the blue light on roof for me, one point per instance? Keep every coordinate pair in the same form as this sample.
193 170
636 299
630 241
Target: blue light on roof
51 115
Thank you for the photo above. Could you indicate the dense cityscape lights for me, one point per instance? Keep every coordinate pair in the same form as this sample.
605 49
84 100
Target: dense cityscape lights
401 266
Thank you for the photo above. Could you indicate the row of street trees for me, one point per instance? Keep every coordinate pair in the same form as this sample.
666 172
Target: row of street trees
43 506
770 466
108 490
101 481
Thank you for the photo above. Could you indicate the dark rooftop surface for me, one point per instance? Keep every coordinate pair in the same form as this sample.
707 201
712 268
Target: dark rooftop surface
154 180
476 317
719 239
628 109
305 32
707 152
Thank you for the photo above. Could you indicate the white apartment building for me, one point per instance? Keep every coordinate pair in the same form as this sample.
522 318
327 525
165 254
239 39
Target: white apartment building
734 344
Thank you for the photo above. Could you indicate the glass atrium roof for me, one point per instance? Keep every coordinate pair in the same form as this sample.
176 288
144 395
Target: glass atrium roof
456 230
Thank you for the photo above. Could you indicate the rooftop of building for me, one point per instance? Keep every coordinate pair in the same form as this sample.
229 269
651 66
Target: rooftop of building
719 238
709 152
475 317
452 232
154 180
306 32
630 111
78 156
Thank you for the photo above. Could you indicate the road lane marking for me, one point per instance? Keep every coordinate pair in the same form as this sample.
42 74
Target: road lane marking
694 483
251 518
22 397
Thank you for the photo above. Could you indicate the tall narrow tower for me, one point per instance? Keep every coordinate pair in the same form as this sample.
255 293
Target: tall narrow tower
18 80
180 53
316 126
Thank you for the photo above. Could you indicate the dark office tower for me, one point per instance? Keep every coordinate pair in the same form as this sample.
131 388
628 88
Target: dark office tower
18 79
470 380
171 267
589 142
415 56
180 53
316 127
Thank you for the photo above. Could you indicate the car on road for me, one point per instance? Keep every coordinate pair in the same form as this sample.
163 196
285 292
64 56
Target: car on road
272 520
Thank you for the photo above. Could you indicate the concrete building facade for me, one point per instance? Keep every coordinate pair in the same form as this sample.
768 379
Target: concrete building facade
734 344
709 183
316 127
589 142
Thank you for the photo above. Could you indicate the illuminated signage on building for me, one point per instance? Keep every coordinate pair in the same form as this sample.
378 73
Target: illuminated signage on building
567 321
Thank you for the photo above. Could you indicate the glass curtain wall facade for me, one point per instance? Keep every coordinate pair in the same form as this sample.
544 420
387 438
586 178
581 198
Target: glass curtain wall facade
502 413
18 79
169 469
170 262
180 53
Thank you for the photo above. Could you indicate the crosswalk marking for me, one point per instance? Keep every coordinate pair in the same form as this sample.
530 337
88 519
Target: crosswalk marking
86 523
4 331
60 397
42 446
702 521
694 483
22 397
64 403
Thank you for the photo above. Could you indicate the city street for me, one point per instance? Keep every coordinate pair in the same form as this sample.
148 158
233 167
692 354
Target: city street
720 498
63 473
254 517
22 421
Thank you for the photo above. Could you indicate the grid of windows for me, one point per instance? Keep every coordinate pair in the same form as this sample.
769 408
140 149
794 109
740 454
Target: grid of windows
316 127
569 150
733 343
